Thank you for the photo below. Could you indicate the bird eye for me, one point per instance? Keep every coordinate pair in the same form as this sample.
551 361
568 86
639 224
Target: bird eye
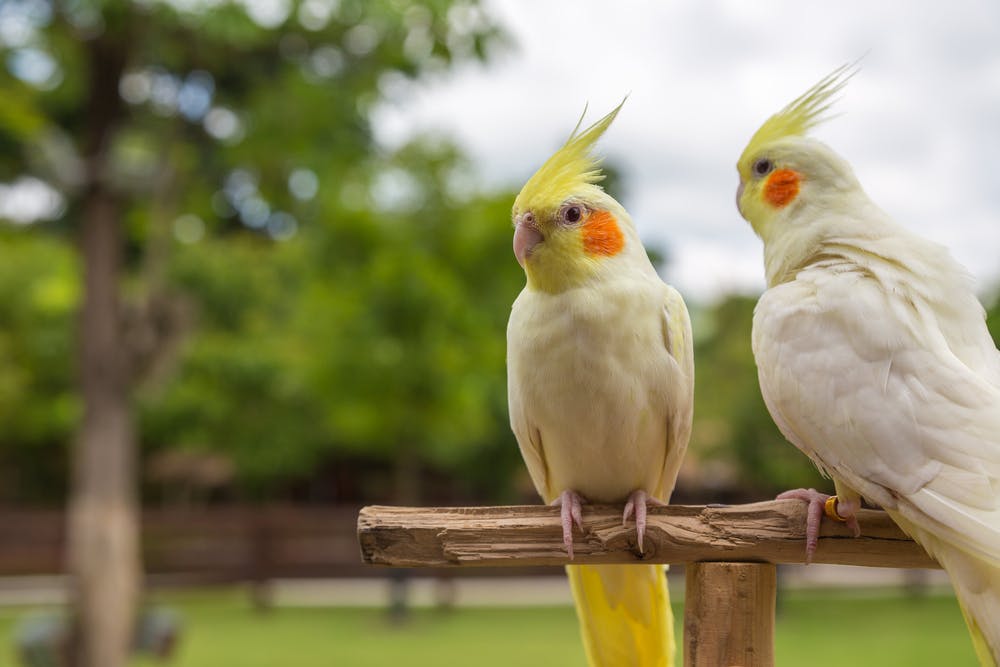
762 167
572 213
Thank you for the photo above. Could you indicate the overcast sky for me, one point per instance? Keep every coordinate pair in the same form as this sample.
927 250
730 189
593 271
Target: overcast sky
920 123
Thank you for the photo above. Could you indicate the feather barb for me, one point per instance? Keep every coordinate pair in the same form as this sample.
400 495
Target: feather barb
569 170
801 114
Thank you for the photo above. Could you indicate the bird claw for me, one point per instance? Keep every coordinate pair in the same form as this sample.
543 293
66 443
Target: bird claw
571 511
845 512
637 504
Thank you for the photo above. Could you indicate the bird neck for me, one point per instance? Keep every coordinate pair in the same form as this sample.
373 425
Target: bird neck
558 276
822 229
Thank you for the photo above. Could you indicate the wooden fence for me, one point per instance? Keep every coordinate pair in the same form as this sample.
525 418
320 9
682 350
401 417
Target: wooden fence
730 554
241 543
222 544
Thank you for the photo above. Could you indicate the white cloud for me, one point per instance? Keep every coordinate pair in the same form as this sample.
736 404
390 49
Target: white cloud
918 122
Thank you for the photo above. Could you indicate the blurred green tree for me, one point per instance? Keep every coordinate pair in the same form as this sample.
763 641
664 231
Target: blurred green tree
382 335
38 404
231 127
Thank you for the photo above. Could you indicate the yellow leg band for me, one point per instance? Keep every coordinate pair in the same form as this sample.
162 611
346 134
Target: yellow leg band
830 509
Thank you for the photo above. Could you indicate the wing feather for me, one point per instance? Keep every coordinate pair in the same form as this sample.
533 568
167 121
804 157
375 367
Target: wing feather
866 384
678 342
529 441
526 431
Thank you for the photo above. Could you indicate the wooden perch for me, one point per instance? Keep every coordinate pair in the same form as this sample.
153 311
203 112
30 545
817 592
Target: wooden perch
771 532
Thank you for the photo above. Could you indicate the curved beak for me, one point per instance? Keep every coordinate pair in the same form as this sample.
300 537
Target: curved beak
526 237
739 197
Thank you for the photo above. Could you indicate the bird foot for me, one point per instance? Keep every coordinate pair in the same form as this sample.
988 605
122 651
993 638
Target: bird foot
820 504
637 503
571 511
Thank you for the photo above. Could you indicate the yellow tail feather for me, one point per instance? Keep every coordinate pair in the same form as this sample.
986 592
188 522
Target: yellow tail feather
979 642
624 613
977 587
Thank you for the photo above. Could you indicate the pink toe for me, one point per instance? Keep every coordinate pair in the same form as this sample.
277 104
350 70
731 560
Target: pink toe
814 515
570 511
636 506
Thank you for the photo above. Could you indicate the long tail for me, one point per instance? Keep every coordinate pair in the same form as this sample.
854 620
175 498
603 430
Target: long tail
977 587
624 613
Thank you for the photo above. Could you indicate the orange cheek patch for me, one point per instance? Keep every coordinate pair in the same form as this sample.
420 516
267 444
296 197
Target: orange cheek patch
601 235
781 187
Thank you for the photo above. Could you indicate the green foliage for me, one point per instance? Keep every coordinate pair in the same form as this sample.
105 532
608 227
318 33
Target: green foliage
331 297
38 407
236 389
993 318
403 343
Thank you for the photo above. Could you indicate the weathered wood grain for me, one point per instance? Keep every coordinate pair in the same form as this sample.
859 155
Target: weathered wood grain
729 614
772 532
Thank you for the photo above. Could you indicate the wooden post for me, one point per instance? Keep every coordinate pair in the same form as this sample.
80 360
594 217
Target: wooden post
729 615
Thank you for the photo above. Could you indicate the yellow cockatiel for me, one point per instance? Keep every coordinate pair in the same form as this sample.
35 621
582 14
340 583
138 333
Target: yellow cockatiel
600 382
874 358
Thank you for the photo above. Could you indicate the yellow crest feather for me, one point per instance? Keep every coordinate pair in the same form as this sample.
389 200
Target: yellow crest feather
801 115
570 169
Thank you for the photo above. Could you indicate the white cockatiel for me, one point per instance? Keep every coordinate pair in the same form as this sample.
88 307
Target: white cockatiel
600 382
874 358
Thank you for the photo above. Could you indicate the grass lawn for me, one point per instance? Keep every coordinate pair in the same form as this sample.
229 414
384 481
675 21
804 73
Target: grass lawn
840 628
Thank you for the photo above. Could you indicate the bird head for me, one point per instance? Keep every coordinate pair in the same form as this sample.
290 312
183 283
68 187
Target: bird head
566 228
782 170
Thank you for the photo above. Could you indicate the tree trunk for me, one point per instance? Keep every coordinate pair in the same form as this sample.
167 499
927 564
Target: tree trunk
103 557
104 553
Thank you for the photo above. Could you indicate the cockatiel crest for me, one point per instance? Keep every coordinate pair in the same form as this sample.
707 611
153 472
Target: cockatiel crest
798 117
571 171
